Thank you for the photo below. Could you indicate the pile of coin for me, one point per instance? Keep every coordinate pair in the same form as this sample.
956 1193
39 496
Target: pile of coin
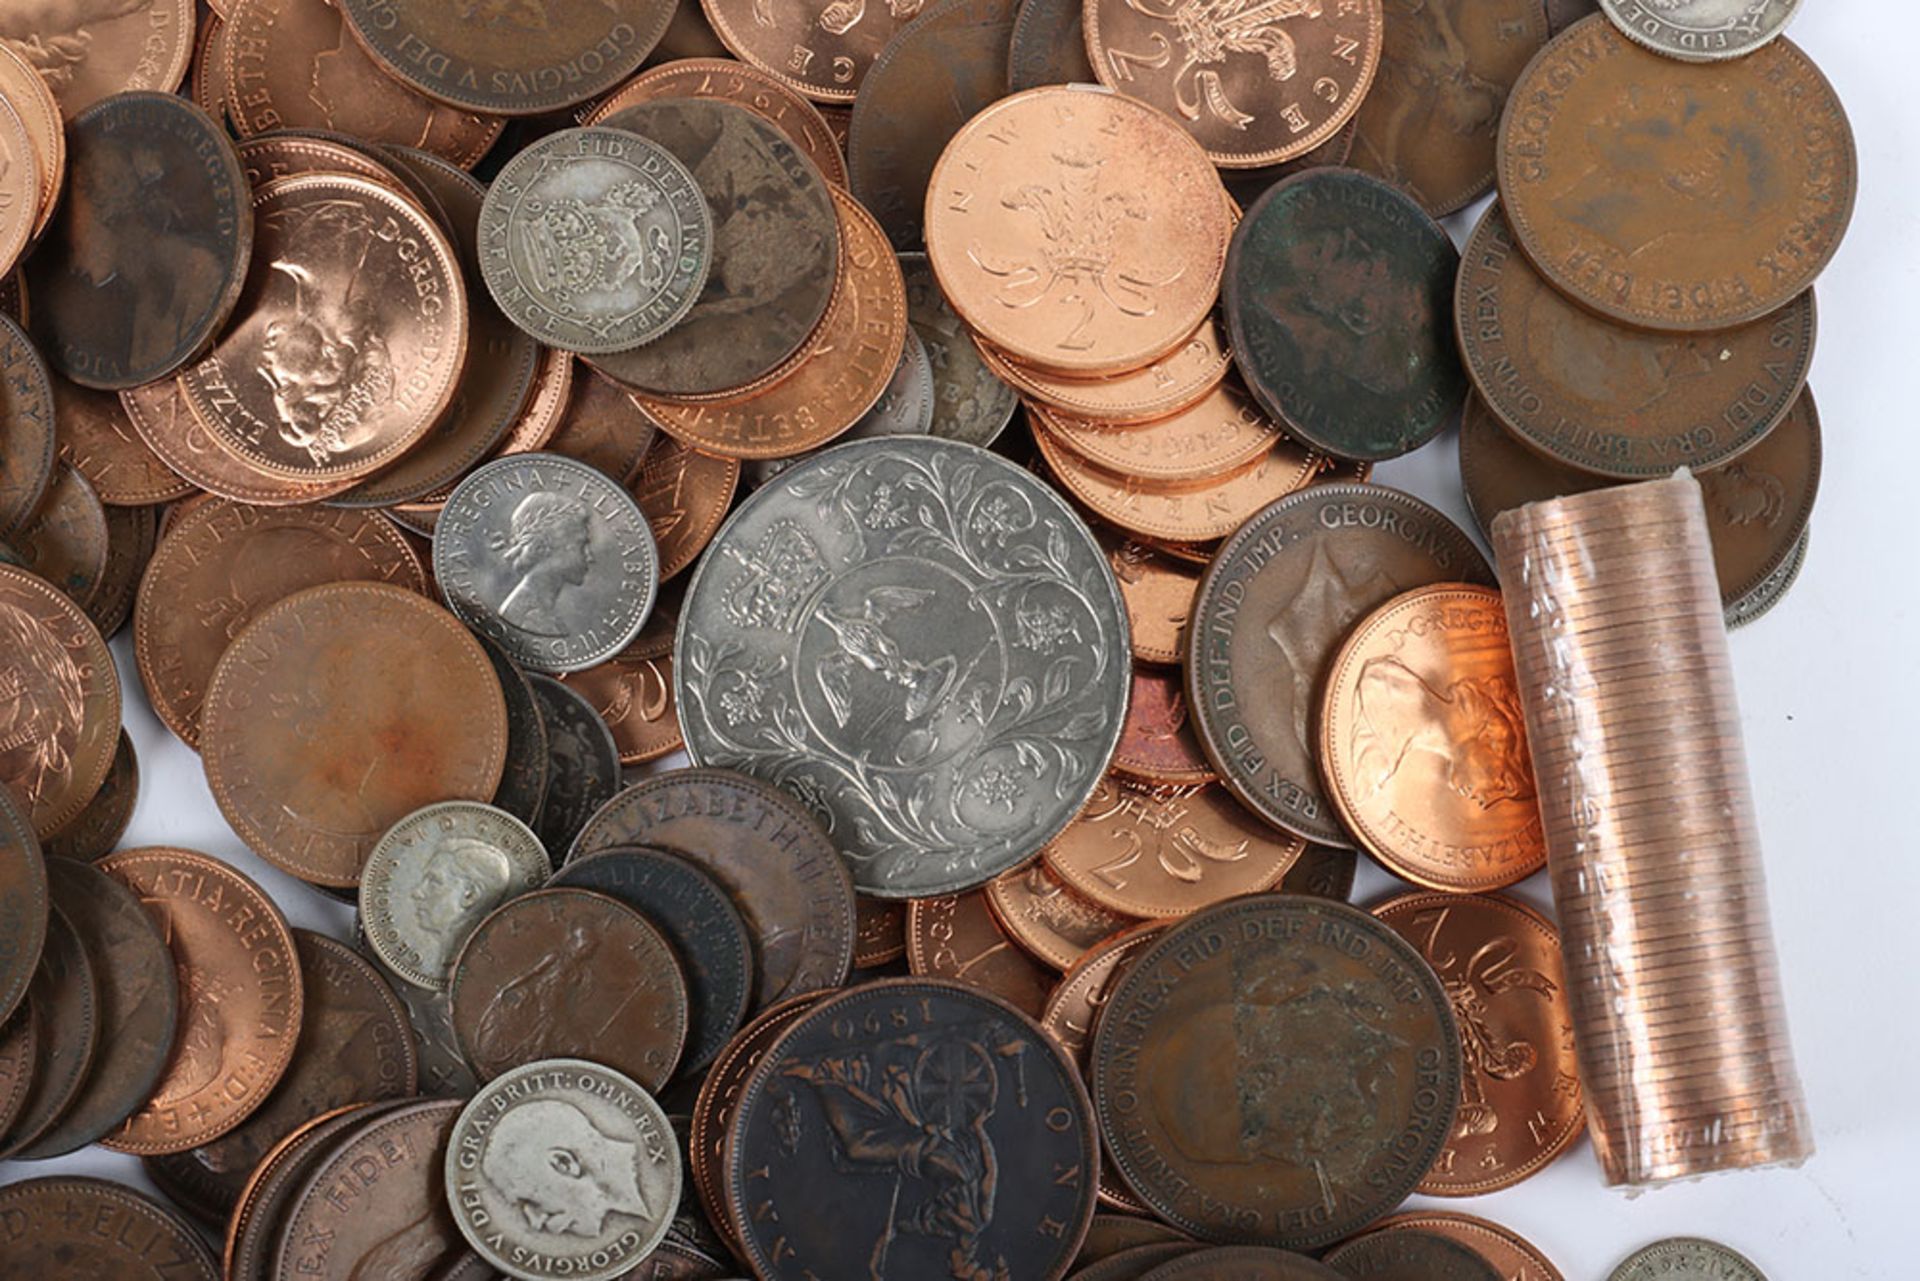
951 425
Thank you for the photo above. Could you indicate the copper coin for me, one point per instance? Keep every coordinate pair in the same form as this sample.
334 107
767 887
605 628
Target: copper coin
284 153
744 86
1047 251
689 35
1109 1234
231 561
1197 512
65 539
1247 185
1166 386
1615 401
685 495
529 767
603 425
376 1204
1562 14
1512 1256
150 250
824 55
765 849
204 83
27 427
958 937
776 246
1075 1005
584 771
1772 589
881 932
89 51
294 64
1215 437
1423 746
96 435
1159 595
1167 851
1240 83
340 710
633 693
354 295
19 187
138 1002
164 419
568 973
1326 871
1276 1069
1522 1105
27 93
1049 920
19 1050
1048 45
79 1229
1767 169
60 723
1410 1255
845 368
24 905
132 534
1157 743
1432 118
65 997
510 59
1280 596
254 1225
1131 1265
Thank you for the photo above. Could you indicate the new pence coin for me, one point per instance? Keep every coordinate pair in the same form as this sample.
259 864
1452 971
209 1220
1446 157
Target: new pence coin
63 705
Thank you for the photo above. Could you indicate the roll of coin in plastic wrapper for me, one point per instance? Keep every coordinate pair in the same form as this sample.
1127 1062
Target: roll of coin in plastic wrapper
1652 843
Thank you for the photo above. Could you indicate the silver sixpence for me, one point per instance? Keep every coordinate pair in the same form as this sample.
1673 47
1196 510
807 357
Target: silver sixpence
905 408
595 240
563 1168
919 641
970 402
1687 1259
549 557
434 875
1701 30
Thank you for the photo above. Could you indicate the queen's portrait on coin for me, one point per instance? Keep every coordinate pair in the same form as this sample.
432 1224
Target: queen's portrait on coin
549 547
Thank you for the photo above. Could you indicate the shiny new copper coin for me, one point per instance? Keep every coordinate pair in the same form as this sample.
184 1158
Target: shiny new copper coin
822 54
240 997
1042 915
65 999
163 418
1166 386
24 905
1075 1005
633 692
1511 1255
1159 594
96 436
340 710
65 539
286 153
89 51
1197 512
1220 434
19 187
958 937
1673 195
685 495
79 1229
1410 1255
1157 744
27 432
1610 400
28 95
1047 249
61 722
231 561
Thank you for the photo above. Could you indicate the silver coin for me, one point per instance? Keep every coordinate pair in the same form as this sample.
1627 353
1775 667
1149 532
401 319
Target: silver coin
444 1070
434 875
595 240
1700 30
1772 589
583 763
563 1168
970 402
1687 1259
905 408
549 557
921 642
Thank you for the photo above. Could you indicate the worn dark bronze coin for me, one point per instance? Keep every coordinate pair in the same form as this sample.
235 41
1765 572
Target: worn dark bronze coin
1247 185
523 783
27 438
769 853
1604 398
583 763
1110 1234
1410 1255
138 997
1562 14
976 1159
79 1229
66 999
1278 1070
132 535
24 902
1131 1265
254 1226
1339 300
943 68
1242 1263
65 540
19 1048
708 936
148 254
1048 46
776 250
1325 871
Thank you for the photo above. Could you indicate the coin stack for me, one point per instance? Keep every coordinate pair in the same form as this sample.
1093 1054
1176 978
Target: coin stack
1651 834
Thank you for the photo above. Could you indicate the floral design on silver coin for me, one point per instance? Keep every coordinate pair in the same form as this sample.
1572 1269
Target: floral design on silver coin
919 641
549 557
563 1168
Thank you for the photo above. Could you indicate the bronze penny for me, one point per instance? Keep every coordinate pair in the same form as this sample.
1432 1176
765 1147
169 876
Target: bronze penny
230 561
604 426
132 533
1511 1255
1278 1069
240 997
19 1050
766 850
1220 434
1039 912
1610 400
60 723
685 495
1048 45
284 153
570 974
253 1227
1280 596
24 87
1247 185
65 540
824 54
96 436
958 937
1325 871
1159 594
1075 1005
79 1229
1109 1234
1176 380
88 52
690 36
149 253
1131 1265
66 1001
169 425
881 932
1596 130
584 767
138 998
27 427
24 904
510 59
294 64
1197 512
633 692
340 710
1432 118
1157 744
1410 1255
204 85
529 767
776 248
376 1204
1772 590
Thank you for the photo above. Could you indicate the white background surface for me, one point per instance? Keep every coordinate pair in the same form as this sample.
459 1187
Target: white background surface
1831 704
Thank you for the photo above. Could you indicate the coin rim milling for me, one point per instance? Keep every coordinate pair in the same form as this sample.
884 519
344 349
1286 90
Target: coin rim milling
1637 23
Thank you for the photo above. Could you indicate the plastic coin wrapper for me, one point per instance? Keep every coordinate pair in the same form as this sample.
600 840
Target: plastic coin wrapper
1654 851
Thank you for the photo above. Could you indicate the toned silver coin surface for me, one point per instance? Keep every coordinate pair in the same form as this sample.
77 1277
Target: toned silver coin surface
923 642
548 556
1687 1259
905 408
434 877
583 763
563 1168
595 240
1701 30
970 402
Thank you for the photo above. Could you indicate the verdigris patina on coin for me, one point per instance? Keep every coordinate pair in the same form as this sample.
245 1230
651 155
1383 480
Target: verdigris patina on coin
922 642
595 240
1687 1259
563 1168
549 557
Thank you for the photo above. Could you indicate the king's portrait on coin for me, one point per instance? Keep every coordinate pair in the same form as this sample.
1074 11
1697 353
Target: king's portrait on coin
461 881
549 546
562 1172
